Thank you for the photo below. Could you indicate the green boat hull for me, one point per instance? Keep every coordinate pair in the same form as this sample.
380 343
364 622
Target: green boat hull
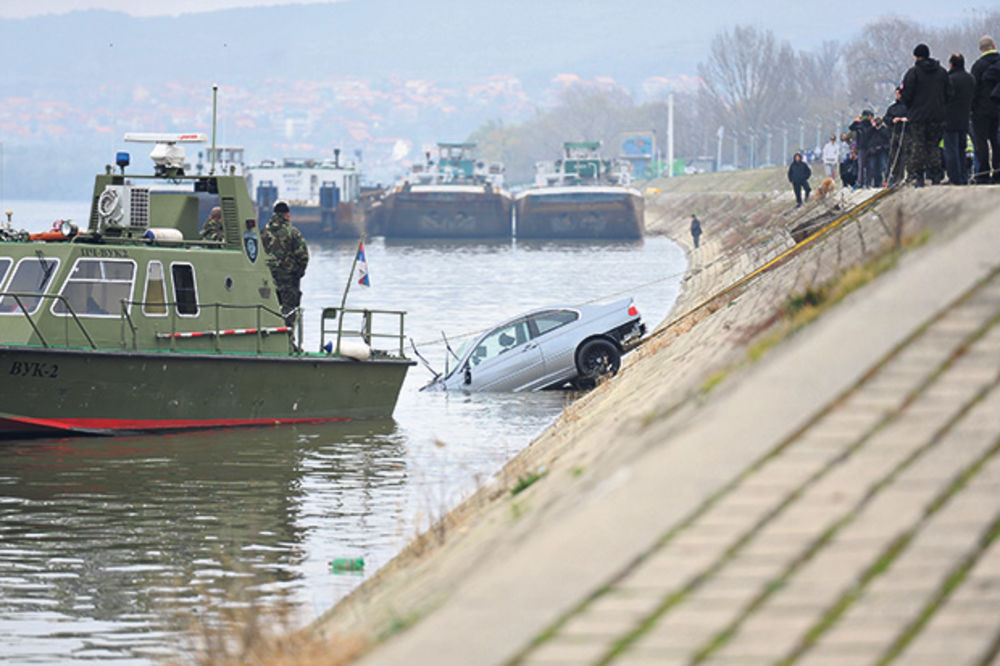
48 391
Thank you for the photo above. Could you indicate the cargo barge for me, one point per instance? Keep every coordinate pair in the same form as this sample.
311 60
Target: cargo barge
580 196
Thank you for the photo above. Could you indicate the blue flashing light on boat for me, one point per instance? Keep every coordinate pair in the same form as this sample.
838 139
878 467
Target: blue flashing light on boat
122 159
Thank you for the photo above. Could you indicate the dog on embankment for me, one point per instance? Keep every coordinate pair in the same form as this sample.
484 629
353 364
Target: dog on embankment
825 188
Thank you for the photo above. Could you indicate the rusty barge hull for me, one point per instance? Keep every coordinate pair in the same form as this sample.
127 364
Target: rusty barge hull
347 220
462 211
580 212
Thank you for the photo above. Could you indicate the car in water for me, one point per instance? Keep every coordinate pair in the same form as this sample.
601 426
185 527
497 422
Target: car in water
548 348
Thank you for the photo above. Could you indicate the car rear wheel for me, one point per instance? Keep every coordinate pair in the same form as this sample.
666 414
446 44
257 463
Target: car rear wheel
596 358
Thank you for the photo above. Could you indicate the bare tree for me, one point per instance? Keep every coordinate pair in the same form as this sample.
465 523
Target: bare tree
748 82
878 58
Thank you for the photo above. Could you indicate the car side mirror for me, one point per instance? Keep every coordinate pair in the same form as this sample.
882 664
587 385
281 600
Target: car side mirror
468 374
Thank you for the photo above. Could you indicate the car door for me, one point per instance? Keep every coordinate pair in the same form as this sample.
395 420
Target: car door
552 330
506 359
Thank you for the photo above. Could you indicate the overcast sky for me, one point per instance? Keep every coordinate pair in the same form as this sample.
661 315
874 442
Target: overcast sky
23 8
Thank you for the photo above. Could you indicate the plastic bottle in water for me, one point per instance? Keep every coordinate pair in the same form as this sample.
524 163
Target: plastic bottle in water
347 564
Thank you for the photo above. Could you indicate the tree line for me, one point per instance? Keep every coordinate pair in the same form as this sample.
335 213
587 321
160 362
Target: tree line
768 99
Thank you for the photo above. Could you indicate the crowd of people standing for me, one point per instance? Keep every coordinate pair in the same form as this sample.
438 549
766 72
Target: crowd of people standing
924 133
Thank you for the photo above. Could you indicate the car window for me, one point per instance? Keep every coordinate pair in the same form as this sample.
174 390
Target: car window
543 322
498 341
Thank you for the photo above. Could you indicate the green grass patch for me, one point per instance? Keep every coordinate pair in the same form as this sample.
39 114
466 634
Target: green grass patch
525 481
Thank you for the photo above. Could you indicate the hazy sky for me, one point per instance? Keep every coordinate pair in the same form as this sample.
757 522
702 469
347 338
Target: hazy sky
23 8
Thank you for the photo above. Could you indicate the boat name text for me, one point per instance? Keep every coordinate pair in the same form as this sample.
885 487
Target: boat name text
26 369
104 252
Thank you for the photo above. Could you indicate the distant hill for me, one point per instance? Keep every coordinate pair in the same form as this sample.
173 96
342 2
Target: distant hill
358 74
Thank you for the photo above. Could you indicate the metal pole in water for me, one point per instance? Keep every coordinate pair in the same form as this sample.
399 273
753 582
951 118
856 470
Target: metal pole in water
215 99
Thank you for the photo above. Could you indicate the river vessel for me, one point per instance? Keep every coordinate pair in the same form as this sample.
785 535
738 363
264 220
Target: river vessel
324 195
136 324
454 196
582 196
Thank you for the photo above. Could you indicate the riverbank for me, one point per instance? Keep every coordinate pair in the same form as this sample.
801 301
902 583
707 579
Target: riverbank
629 464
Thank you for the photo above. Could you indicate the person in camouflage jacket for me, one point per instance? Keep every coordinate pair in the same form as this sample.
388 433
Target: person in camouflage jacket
287 257
213 229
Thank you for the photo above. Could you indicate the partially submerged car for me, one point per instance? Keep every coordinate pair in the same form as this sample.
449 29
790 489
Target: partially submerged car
549 348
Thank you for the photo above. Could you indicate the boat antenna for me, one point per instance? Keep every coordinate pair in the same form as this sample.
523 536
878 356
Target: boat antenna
215 101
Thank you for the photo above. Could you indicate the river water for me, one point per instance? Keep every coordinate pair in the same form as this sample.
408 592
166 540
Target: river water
111 546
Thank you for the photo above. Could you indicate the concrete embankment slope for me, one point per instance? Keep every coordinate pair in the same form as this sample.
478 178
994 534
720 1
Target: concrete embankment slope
834 499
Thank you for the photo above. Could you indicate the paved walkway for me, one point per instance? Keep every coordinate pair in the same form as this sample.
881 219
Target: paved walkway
838 505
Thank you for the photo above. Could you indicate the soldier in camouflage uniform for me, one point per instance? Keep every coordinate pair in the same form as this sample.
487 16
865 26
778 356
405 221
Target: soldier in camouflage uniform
212 229
287 257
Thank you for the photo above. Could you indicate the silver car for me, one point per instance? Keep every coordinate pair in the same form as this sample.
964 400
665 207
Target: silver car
547 349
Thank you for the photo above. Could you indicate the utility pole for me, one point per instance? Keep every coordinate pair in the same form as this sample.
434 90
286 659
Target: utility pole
718 147
670 135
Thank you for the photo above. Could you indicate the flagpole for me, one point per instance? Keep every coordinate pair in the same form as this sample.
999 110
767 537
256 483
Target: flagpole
347 287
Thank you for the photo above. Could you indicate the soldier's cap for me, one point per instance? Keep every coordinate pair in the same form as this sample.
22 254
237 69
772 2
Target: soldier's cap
281 207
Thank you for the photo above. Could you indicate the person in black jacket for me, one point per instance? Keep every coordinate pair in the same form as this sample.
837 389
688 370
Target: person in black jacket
798 175
895 120
878 150
926 88
985 117
849 169
863 127
956 122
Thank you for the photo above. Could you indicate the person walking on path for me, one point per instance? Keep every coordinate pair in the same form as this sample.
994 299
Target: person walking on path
831 157
798 175
695 229
985 117
926 89
287 257
956 123
895 119
213 229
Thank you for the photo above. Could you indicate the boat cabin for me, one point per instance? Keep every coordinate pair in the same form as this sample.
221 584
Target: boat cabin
141 277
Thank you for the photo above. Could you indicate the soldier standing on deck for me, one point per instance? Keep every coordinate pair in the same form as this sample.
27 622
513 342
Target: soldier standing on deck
212 229
287 258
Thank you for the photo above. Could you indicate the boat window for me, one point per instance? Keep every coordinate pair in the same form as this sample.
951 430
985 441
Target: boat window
185 292
154 301
5 264
33 275
543 322
498 341
96 288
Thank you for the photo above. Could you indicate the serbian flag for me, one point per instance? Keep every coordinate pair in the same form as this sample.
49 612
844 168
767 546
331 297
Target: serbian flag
363 267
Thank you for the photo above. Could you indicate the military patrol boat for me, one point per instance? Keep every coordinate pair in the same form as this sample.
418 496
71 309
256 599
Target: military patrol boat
457 196
580 196
135 324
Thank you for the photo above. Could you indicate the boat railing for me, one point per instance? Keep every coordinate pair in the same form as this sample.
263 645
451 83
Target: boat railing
367 331
17 298
267 322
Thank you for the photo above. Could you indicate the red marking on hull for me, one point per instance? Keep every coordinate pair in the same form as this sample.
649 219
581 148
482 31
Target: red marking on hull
26 425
